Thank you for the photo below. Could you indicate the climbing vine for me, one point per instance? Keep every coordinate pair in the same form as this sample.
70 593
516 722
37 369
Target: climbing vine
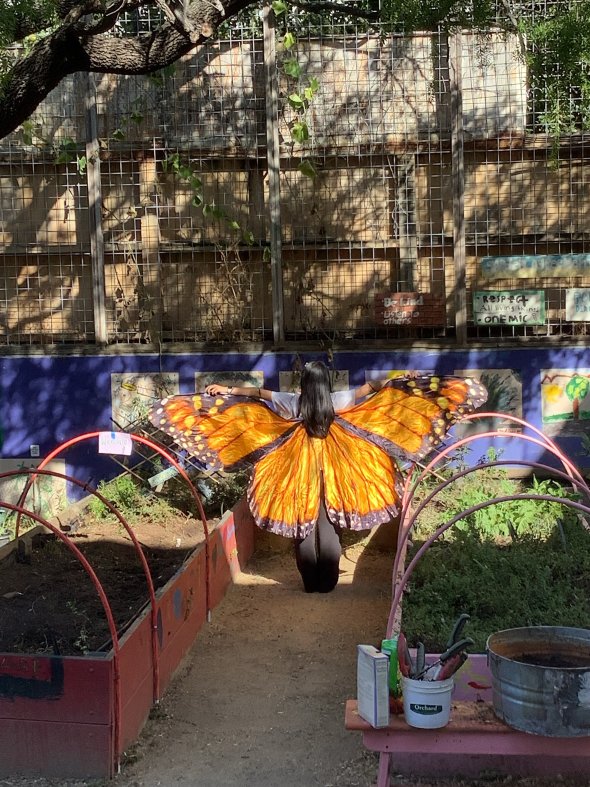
558 58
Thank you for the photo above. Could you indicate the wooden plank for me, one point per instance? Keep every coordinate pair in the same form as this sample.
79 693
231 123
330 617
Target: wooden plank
406 208
274 172
458 181
95 213
37 748
473 741
50 688
465 717
136 680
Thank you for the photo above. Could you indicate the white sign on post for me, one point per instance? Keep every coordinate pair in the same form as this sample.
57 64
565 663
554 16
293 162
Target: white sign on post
115 443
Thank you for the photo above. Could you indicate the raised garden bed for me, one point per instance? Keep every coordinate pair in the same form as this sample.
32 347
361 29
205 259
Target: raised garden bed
71 701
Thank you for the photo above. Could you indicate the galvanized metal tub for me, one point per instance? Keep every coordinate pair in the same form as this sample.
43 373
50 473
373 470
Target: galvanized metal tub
541 679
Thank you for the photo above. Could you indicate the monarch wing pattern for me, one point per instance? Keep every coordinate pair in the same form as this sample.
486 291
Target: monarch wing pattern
284 491
408 417
221 432
359 479
361 482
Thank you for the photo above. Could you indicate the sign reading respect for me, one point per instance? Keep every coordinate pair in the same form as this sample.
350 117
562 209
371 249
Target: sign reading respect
509 307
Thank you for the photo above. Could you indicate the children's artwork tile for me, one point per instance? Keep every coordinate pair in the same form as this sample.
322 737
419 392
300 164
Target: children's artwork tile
290 382
203 379
565 400
392 374
504 387
47 495
134 394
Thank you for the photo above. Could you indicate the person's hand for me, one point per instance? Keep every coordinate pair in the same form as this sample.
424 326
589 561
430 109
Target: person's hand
216 390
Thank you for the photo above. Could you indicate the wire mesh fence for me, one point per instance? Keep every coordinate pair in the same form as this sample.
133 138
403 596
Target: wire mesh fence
340 184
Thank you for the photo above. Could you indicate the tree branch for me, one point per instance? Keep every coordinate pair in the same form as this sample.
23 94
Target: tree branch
82 43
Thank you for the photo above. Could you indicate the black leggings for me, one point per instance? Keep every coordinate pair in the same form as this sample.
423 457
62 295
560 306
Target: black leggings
318 556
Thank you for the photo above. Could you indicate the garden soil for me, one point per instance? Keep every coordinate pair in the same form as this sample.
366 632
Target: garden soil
259 701
48 603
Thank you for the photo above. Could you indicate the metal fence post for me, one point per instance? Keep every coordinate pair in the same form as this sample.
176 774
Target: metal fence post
274 171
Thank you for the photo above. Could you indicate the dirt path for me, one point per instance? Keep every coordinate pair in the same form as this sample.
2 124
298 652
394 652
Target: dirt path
259 702
261 698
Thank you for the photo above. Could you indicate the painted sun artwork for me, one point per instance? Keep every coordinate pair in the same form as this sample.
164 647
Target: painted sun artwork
565 400
134 394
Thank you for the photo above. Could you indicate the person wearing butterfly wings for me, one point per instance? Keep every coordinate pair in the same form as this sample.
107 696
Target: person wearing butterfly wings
321 460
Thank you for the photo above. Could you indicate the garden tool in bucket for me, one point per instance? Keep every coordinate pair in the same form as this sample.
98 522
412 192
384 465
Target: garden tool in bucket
427 689
427 703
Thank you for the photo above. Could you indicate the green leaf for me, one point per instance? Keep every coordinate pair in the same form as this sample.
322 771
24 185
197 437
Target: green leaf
279 7
81 163
248 237
211 209
118 133
171 162
300 131
66 151
311 90
307 168
296 101
292 68
289 40
28 132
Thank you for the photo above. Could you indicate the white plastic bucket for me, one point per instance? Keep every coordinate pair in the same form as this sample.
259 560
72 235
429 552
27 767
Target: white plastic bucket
427 703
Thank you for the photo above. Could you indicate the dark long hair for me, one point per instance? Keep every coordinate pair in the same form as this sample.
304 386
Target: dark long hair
315 406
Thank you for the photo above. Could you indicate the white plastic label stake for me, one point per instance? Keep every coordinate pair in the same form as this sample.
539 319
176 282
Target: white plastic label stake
115 443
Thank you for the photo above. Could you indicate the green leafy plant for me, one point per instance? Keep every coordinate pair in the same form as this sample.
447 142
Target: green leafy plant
518 563
535 581
82 640
558 57
226 491
300 99
502 520
125 494
182 170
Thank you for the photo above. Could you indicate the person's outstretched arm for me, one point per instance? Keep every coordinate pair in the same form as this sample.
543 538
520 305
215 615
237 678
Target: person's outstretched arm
239 390
368 388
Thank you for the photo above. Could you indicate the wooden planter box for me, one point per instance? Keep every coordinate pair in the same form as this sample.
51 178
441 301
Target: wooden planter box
59 716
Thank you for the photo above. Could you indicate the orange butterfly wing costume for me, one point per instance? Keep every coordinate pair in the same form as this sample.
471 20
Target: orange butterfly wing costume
353 469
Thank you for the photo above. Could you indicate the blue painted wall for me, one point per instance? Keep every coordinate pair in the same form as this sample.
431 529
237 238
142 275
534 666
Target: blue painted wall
45 400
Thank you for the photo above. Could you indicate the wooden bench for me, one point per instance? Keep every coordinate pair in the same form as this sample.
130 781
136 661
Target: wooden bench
473 733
